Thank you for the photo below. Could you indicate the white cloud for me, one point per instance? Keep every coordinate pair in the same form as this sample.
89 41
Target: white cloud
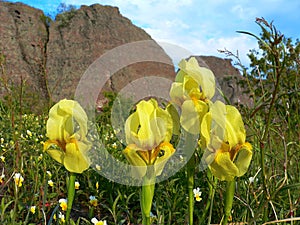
244 12
202 46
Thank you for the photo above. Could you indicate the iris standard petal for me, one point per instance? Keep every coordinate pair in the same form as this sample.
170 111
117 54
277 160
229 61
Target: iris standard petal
191 87
131 128
145 135
203 76
236 133
165 124
73 109
207 82
54 124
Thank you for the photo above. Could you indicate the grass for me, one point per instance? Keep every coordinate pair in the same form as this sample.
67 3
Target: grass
21 145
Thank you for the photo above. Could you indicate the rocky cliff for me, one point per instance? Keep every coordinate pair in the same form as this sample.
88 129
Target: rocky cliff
24 36
43 59
50 58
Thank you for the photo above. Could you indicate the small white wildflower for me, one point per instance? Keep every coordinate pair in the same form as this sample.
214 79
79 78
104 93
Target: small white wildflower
251 180
77 184
49 173
98 167
50 183
114 145
197 194
98 222
29 133
61 217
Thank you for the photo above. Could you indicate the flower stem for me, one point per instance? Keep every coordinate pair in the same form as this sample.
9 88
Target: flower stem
147 195
230 189
71 194
190 177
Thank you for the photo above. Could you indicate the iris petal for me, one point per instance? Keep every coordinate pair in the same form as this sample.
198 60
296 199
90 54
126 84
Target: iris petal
146 129
74 160
223 136
223 168
192 114
243 158
131 154
67 129
160 162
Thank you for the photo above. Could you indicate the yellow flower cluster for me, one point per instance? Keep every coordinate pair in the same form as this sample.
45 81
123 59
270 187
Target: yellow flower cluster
222 130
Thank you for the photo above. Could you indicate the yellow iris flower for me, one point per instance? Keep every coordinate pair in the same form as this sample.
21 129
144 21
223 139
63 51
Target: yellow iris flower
227 153
67 130
148 132
194 86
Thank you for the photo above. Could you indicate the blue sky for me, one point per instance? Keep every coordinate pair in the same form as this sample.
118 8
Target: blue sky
200 27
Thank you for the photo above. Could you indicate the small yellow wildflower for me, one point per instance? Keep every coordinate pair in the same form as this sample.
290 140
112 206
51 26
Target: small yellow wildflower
40 157
77 185
18 179
98 222
62 217
1 178
2 158
50 183
32 209
63 204
97 185
197 194
93 201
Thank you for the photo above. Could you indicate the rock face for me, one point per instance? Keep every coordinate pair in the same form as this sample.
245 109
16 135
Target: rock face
50 58
78 38
23 42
